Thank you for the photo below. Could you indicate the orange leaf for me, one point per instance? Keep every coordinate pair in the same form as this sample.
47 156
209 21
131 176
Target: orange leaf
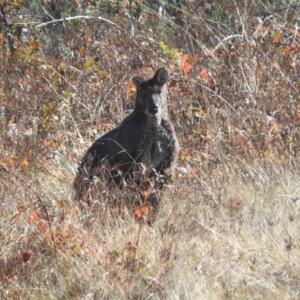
276 65
142 210
42 226
26 238
73 156
277 37
16 216
131 89
186 67
193 173
138 213
34 44
145 208
81 50
56 173
30 220
7 160
99 126
49 143
204 74
35 215
59 204
24 163
184 57
287 50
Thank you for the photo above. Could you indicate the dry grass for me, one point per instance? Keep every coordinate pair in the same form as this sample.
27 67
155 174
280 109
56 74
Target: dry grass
226 235
228 226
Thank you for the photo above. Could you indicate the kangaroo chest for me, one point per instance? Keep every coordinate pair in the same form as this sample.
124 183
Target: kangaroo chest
154 146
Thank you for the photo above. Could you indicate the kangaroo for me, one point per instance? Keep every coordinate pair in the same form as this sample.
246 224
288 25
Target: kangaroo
144 139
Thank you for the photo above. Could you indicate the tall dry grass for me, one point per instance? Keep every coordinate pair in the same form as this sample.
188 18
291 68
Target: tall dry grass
228 226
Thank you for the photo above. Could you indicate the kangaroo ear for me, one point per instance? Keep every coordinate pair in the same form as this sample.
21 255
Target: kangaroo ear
161 77
137 80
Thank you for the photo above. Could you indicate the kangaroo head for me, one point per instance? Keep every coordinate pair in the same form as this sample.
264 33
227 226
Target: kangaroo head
151 94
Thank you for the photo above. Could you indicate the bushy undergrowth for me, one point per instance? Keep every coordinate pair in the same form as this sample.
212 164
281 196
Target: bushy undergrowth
228 223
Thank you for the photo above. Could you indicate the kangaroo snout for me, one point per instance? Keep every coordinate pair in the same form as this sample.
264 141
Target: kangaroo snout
153 110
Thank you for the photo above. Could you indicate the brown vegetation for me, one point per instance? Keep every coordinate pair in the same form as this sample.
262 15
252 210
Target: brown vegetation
228 224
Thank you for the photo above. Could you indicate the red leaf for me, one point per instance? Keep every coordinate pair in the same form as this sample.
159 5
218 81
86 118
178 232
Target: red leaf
26 255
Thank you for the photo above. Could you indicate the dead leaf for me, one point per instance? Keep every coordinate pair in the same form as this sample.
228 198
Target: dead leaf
42 226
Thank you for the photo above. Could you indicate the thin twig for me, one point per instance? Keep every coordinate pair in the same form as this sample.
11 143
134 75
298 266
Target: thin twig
226 39
220 97
38 198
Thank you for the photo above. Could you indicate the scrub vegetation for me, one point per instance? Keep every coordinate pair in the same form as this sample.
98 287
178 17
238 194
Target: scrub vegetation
228 223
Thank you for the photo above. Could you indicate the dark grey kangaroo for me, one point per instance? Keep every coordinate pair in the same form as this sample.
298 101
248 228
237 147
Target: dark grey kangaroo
145 137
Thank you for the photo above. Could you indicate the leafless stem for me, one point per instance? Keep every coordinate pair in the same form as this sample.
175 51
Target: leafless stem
38 198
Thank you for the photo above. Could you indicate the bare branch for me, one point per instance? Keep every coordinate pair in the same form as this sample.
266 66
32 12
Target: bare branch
75 18
226 39
37 196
